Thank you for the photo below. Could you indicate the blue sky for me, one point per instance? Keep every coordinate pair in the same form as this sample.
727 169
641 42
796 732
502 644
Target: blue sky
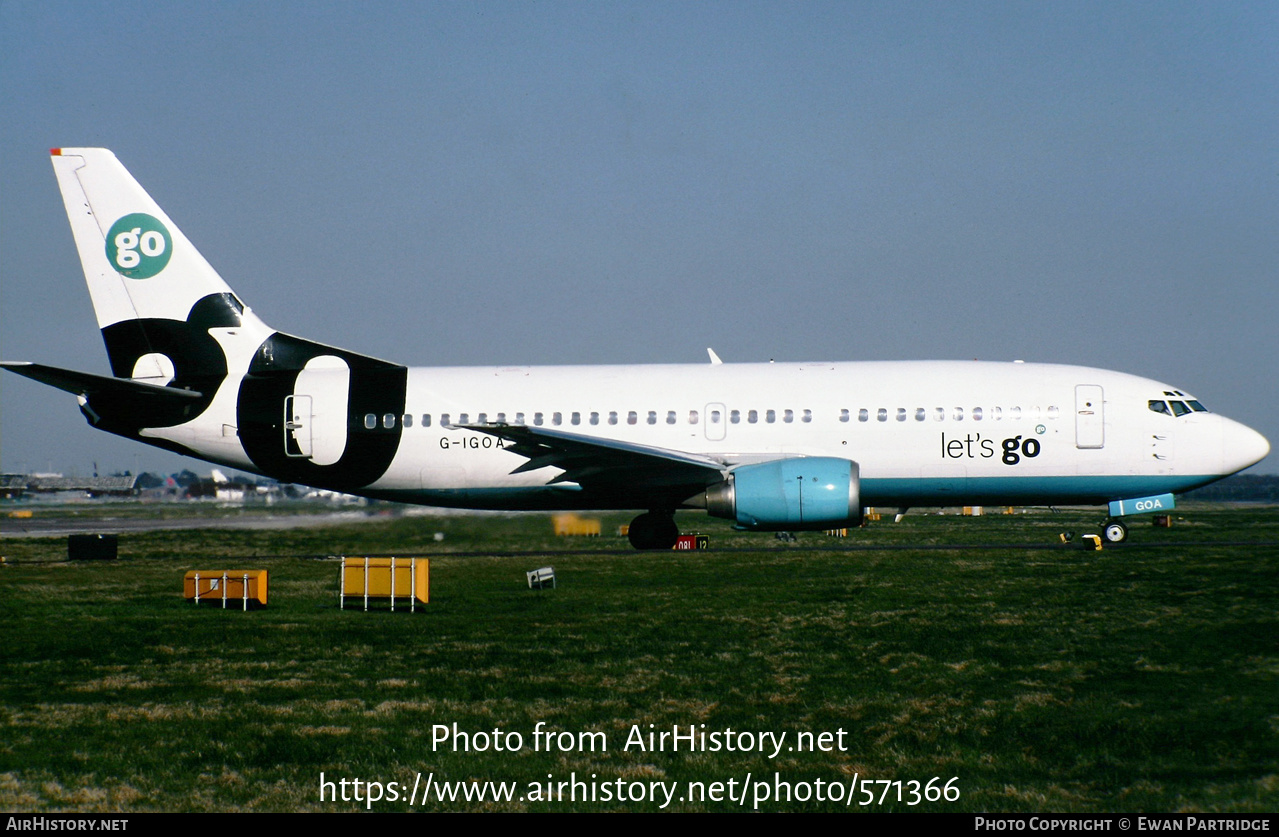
481 183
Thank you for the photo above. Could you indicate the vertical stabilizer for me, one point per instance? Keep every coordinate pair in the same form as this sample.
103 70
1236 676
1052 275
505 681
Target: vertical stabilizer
151 289
138 264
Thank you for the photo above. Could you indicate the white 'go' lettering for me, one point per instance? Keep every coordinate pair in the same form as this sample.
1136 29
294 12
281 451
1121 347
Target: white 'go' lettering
127 244
125 254
152 243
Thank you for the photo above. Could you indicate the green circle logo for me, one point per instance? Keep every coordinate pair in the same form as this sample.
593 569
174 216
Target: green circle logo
138 246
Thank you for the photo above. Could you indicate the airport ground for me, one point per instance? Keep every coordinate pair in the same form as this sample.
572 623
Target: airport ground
1037 676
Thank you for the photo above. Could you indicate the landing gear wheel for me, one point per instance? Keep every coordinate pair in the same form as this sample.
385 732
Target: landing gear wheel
654 530
1115 532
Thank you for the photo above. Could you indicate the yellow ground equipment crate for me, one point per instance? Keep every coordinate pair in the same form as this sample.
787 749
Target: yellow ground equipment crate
571 525
244 588
386 578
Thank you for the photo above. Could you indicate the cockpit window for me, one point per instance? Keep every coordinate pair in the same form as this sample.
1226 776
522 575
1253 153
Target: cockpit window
1173 407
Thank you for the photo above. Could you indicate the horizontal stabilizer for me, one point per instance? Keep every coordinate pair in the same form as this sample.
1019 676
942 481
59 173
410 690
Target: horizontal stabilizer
85 384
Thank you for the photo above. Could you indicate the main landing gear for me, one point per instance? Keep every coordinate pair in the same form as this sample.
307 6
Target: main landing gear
654 530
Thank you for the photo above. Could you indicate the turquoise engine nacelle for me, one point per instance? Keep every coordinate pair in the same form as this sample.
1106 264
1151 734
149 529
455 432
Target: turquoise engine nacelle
815 492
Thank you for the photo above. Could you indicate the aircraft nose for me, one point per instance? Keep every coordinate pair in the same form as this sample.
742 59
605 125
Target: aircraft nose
1242 447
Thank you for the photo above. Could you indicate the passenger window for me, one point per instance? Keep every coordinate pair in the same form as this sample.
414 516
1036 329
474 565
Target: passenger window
595 418
976 413
863 414
752 416
843 415
882 414
808 416
612 416
407 420
557 419
920 414
632 417
370 421
996 413
652 416
575 419
501 418
1014 412
519 418
537 419
957 414
670 416
426 419
463 419
714 416
388 421
939 414
901 413
482 418
735 416
770 416
444 420
692 417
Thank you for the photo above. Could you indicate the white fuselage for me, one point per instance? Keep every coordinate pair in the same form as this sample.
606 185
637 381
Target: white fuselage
923 432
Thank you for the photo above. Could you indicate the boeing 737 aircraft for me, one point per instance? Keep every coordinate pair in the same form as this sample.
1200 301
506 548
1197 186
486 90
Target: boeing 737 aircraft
786 446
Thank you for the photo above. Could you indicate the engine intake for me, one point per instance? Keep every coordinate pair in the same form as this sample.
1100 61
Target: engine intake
815 492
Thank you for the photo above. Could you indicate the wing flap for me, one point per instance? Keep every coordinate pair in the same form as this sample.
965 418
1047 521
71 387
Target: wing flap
603 463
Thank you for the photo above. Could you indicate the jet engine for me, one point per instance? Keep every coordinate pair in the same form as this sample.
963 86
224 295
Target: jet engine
815 492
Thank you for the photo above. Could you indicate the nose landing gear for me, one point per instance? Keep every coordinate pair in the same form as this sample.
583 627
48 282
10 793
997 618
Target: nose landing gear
1115 532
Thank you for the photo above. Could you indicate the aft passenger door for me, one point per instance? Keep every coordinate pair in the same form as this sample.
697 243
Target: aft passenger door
297 425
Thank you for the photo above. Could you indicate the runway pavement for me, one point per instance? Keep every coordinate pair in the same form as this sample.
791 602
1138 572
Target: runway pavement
105 522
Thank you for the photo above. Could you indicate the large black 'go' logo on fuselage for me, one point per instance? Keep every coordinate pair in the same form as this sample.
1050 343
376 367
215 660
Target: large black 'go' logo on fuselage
376 387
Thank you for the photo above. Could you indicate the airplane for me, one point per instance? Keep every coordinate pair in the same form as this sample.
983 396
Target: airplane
769 446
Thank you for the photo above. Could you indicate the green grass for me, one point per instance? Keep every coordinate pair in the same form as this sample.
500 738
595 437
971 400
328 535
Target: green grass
1136 678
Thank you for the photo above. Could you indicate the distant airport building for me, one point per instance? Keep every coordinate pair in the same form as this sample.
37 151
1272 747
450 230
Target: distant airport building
16 486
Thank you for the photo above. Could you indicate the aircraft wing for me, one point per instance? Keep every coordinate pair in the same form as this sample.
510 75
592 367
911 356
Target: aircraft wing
85 384
605 463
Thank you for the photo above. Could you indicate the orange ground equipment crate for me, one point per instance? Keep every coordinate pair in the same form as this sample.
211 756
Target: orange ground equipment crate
242 588
405 579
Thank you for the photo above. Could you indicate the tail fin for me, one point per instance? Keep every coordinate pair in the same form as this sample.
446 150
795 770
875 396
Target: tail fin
204 375
152 291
